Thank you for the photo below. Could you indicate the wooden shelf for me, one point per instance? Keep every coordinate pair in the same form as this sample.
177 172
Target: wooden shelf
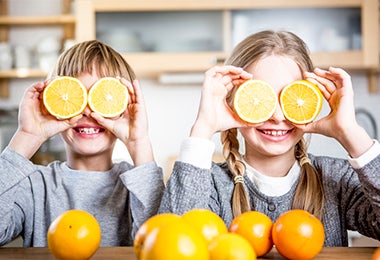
22 73
146 64
172 5
37 20
6 75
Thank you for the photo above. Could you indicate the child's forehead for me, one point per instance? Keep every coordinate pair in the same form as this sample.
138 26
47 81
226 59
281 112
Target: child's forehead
88 79
276 70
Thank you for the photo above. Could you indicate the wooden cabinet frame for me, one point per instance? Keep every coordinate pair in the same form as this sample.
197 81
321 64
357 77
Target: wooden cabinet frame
151 65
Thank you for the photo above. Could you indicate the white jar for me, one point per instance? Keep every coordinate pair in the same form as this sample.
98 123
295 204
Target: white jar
22 57
6 58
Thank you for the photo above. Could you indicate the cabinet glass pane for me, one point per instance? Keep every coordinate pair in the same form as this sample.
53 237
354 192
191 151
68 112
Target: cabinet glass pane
323 29
161 31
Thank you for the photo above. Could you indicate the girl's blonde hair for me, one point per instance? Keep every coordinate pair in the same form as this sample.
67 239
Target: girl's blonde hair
92 55
309 193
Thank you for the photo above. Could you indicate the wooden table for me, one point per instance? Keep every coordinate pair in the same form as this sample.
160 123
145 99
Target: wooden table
126 253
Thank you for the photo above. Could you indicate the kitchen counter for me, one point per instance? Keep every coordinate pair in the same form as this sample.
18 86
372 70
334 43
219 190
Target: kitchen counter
127 253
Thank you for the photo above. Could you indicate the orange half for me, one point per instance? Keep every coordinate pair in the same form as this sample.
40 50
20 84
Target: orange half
255 101
65 97
301 101
108 97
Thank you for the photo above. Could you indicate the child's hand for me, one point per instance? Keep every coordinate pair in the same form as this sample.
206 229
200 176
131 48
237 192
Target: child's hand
132 126
340 123
35 124
214 114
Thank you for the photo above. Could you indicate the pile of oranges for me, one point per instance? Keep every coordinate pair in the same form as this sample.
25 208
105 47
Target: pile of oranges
201 234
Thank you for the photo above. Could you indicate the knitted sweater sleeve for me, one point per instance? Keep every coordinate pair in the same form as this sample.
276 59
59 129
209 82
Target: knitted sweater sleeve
15 199
363 200
189 187
145 185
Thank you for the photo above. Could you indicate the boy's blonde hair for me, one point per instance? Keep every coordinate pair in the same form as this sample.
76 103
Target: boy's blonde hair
309 193
92 55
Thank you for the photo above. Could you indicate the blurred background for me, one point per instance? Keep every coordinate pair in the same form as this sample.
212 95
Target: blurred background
171 44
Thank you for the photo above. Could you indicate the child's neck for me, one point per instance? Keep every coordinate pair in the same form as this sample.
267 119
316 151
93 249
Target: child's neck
90 163
276 166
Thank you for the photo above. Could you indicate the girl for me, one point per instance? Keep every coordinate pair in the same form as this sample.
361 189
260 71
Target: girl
275 174
121 196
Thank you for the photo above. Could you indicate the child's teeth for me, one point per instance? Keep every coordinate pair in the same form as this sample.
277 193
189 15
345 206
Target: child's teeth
275 133
88 130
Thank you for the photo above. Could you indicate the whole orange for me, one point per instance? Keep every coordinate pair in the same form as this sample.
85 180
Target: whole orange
230 246
256 227
152 223
206 222
75 235
176 240
297 234
376 254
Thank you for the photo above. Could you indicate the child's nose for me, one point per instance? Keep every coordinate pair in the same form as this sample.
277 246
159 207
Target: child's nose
87 111
278 115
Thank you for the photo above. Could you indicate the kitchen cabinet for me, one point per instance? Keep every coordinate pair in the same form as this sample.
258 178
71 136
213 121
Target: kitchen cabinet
66 21
219 19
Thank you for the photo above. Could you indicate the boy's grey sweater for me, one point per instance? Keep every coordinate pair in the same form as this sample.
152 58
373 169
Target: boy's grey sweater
32 196
352 197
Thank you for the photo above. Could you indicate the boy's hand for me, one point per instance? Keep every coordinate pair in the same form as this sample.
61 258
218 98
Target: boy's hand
132 126
35 124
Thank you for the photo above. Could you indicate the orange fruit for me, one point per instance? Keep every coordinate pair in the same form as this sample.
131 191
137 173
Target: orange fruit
256 227
301 101
376 254
297 234
75 235
230 246
206 222
157 221
254 101
108 97
176 240
65 97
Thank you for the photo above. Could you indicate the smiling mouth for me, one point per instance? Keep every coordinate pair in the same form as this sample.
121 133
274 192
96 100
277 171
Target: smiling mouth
275 132
88 131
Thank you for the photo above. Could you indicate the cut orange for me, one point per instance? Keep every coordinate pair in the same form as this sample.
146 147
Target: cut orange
108 97
301 101
65 97
255 101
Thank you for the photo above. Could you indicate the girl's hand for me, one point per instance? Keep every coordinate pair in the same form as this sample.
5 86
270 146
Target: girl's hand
35 124
340 123
132 126
214 114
